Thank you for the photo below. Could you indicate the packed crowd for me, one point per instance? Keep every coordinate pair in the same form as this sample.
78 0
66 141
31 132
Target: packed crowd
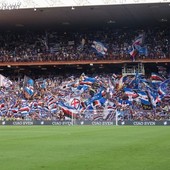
86 97
113 44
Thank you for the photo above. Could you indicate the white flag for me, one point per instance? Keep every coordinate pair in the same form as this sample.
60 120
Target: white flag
4 82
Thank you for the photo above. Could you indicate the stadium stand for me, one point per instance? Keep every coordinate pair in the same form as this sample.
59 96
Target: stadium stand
50 46
71 72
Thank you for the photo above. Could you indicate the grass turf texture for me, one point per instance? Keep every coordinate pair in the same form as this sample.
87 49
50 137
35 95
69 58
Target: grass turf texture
84 148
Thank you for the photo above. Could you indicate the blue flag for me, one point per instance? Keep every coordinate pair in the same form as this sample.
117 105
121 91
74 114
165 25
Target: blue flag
28 87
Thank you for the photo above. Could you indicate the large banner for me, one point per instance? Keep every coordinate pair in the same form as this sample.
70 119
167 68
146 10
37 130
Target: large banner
85 122
144 123
96 123
31 123
57 123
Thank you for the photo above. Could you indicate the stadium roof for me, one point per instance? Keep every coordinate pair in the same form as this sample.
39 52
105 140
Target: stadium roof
83 17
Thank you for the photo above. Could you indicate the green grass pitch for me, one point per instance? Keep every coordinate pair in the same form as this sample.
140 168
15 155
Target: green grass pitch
84 148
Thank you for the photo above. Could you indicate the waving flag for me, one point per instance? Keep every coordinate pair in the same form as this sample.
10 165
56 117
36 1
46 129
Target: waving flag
99 47
130 93
136 46
28 87
145 102
139 40
69 111
153 94
82 87
156 78
133 52
163 87
143 95
100 102
143 50
88 81
75 102
4 81
51 102
124 103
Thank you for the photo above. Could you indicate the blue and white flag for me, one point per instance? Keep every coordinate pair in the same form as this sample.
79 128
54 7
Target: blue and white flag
163 89
88 81
28 87
69 111
133 52
139 40
145 102
130 93
4 81
143 95
156 78
99 47
99 102
137 46
143 50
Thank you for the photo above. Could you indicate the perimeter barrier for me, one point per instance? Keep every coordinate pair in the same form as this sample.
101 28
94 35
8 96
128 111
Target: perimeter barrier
85 122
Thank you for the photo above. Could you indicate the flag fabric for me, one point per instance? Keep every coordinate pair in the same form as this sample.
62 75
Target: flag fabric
139 40
133 52
75 102
156 78
145 101
136 46
69 111
90 101
155 99
99 102
4 81
143 95
124 103
135 81
51 102
24 108
88 81
83 87
99 47
163 87
28 87
42 84
130 93
143 50
88 112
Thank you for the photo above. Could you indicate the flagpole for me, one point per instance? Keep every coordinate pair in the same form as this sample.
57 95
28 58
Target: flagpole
116 118
72 120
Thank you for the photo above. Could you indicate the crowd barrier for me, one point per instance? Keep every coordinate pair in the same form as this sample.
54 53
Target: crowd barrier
86 122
